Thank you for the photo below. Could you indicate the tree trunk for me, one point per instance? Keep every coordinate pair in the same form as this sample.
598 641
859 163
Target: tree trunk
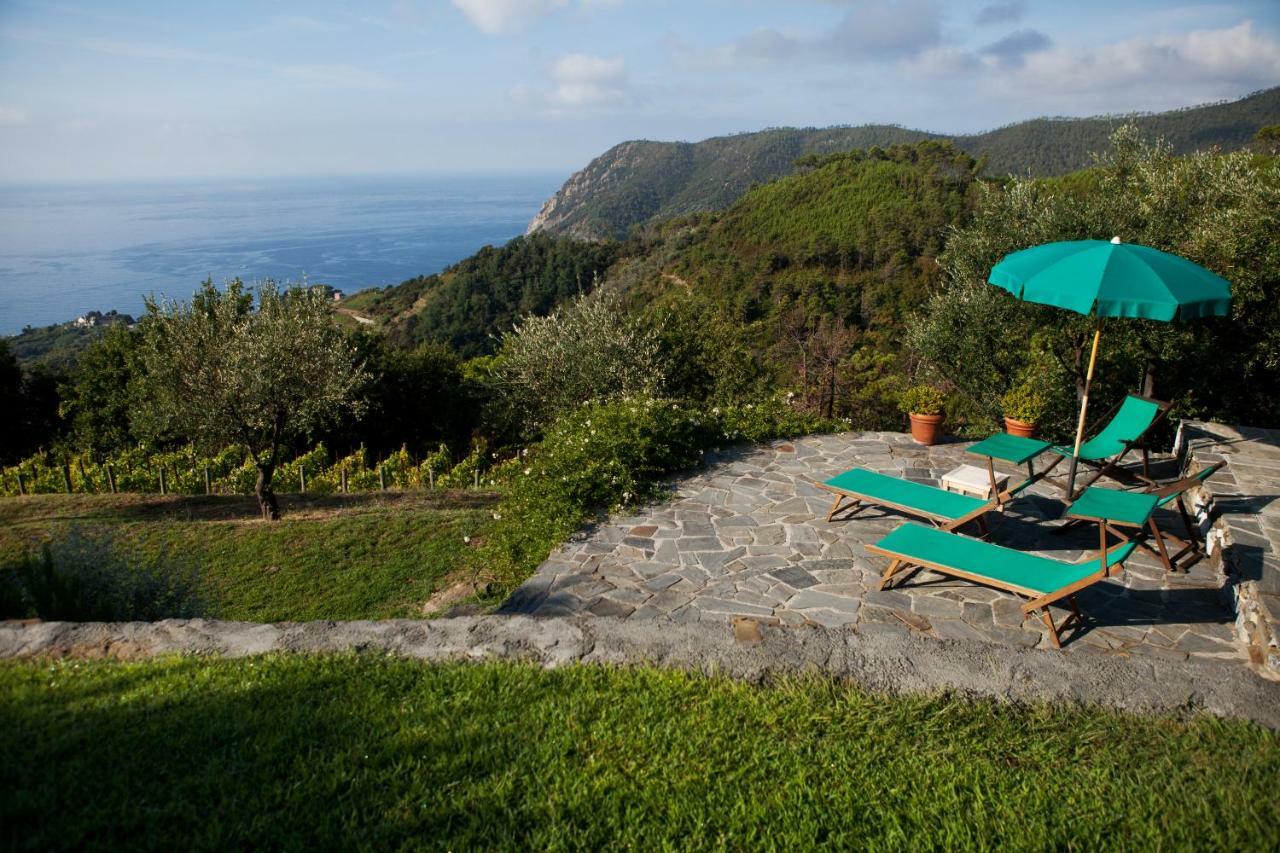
1149 378
266 495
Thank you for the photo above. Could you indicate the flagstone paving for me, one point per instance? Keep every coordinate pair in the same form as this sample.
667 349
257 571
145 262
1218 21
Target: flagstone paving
747 537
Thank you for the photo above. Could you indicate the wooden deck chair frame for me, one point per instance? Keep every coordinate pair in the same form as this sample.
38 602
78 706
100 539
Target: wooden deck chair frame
1034 600
1111 467
1193 546
859 501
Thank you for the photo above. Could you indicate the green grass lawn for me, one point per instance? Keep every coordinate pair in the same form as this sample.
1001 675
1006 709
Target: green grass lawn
359 556
372 752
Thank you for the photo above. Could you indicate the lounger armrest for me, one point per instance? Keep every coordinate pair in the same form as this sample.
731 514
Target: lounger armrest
1180 486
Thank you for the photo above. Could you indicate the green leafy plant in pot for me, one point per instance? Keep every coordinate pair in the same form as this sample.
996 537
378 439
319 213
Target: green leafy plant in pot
1023 406
923 404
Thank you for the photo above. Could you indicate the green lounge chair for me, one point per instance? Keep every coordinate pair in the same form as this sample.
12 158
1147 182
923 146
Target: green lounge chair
863 488
1126 429
948 510
1040 580
1191 547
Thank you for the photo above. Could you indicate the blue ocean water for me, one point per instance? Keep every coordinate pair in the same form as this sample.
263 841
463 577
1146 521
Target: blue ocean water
67 250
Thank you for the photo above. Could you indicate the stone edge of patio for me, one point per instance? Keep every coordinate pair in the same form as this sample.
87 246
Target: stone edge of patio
1249 541
881 658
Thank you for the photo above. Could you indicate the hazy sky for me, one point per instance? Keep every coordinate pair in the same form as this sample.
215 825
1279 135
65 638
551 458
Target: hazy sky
108 90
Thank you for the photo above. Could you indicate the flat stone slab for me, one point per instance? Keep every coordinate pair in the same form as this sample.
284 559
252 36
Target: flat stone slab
752 528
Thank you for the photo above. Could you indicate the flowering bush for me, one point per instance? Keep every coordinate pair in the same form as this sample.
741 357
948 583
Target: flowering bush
602 455
607 455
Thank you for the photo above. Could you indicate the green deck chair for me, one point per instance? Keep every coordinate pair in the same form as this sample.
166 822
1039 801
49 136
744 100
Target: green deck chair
1040 580
948 510
1126 428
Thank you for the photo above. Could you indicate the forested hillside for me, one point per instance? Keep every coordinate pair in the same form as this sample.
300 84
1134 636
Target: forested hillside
636 181
469 303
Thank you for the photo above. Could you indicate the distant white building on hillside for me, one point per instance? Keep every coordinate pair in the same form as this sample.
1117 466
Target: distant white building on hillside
97 318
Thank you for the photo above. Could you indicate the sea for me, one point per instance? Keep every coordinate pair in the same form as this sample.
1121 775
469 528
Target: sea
66 250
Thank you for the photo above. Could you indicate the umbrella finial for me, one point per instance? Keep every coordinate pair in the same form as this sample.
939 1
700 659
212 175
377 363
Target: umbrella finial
1116 241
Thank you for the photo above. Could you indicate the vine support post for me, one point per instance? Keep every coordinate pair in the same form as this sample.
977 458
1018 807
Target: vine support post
431 478
342 474
208 484
382 478
302 478
111 478
22 484
163 491
66 477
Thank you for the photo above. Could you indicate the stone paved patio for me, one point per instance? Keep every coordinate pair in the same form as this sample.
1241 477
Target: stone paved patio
747 537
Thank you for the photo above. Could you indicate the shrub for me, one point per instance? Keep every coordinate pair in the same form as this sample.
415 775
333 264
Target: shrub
1024 403
776 418
83 578
588 350
922 400
602 455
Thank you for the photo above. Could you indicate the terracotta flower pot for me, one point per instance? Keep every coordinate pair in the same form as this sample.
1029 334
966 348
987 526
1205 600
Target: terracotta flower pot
926 428
1019 428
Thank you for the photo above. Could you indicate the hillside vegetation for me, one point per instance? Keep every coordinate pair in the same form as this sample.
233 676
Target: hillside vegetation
469 303
639 180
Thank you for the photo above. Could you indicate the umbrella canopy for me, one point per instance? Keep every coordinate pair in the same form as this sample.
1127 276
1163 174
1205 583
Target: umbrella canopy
1111 279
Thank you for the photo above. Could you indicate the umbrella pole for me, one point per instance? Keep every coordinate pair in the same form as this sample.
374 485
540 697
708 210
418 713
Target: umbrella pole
1084 408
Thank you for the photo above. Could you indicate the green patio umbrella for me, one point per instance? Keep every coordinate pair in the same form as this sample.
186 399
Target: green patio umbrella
1111 279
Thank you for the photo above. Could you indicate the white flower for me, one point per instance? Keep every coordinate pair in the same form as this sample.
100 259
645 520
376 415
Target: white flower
528 471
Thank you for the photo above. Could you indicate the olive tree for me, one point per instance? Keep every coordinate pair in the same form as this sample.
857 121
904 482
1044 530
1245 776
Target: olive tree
1219 210
589 349
220 371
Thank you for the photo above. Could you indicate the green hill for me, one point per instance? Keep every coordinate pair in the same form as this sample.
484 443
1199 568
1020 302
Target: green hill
467 304
640 180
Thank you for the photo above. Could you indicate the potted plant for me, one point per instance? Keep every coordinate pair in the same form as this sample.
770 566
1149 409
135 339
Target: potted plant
923 404
1023 406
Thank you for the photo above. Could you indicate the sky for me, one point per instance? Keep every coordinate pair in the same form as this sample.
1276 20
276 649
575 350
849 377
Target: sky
110 91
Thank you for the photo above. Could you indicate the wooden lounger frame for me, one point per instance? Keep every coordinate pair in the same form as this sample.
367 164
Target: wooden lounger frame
1193 546
1036 600
859 501
1111 467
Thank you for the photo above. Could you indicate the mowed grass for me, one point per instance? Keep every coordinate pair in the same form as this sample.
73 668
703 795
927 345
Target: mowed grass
377 753
360 556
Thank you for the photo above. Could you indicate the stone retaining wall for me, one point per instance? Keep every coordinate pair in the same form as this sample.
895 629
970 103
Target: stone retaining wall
1243 527
877 657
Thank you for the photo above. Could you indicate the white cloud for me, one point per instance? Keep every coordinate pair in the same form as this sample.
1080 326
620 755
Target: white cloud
583 80
504 16
496 17
12 116
1238 56
580 81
